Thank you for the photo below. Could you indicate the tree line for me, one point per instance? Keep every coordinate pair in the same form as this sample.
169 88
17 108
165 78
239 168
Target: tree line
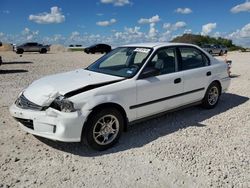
201 40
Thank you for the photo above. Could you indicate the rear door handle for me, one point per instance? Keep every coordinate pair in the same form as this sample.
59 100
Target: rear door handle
209 73
177 80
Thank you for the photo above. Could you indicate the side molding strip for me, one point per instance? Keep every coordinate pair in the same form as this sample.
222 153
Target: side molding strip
165 98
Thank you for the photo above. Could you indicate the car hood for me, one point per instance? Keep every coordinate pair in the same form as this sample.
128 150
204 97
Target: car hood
43 91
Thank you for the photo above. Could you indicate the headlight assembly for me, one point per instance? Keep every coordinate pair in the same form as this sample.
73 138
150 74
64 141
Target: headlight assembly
62 104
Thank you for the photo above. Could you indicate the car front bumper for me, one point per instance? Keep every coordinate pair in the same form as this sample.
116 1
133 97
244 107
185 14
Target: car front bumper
51 124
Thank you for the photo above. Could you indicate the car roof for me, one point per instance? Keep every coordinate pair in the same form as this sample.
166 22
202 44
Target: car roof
157 44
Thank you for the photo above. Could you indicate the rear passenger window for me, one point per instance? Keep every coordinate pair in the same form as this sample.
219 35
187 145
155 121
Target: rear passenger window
192 58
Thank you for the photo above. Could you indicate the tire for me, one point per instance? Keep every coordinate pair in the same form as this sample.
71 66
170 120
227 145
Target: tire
98 133
212 96
86 51
43 51
19 51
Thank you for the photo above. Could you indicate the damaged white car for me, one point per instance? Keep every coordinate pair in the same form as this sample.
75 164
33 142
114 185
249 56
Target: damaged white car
133 82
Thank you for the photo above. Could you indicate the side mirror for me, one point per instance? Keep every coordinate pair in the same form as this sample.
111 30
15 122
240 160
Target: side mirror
149 72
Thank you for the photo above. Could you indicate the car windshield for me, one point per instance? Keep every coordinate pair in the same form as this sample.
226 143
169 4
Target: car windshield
123 62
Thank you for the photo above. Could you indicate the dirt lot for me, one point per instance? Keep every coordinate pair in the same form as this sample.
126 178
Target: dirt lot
189 148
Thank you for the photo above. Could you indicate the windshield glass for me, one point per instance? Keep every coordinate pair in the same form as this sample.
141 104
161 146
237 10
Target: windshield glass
123 62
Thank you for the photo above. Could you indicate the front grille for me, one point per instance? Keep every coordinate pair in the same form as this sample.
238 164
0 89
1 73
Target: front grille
26 122
24 103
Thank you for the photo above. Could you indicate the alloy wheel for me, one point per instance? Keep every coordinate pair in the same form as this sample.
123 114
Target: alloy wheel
106 129
213 95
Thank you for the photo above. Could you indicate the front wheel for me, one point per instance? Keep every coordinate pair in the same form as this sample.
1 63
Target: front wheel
43 51
20 51
103 129
212 96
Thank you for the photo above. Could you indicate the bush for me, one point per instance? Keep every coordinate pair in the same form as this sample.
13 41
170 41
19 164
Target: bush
201 40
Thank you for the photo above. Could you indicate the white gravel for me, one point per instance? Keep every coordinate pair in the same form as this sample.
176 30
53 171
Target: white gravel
189 148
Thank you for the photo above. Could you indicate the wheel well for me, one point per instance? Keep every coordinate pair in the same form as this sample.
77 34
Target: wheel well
112 105
218 82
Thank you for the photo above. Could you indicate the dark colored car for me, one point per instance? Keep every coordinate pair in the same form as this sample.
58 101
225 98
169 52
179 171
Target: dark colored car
101 48
0 56
32 47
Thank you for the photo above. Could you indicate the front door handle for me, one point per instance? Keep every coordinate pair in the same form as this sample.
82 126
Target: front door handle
177 80
209 73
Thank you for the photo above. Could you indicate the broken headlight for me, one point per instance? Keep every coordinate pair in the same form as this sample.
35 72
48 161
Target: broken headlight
63 104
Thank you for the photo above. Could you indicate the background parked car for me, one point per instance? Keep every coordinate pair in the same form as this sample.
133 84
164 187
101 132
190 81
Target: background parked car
215 49
32 47
101 48
0 56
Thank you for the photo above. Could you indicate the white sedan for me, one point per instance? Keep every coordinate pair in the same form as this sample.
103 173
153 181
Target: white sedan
133 82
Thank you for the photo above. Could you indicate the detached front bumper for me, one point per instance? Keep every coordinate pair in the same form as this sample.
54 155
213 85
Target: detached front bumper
225 82
51 124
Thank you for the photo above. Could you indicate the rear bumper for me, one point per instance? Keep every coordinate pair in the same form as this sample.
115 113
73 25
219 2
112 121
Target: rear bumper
225 82
51 124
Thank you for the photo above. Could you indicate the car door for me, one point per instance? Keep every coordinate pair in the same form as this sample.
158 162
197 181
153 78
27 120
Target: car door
160 92
34 47
196 72
29 47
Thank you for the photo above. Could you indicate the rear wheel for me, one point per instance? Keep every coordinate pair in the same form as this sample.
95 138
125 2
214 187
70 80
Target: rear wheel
212 96
20 51
103 129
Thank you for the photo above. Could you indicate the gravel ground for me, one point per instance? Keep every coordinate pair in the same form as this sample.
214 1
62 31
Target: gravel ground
189 148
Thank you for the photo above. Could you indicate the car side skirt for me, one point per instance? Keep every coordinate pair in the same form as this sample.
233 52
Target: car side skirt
164 113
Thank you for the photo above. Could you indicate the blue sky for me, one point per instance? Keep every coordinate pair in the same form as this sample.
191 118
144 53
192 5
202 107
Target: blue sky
122 21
